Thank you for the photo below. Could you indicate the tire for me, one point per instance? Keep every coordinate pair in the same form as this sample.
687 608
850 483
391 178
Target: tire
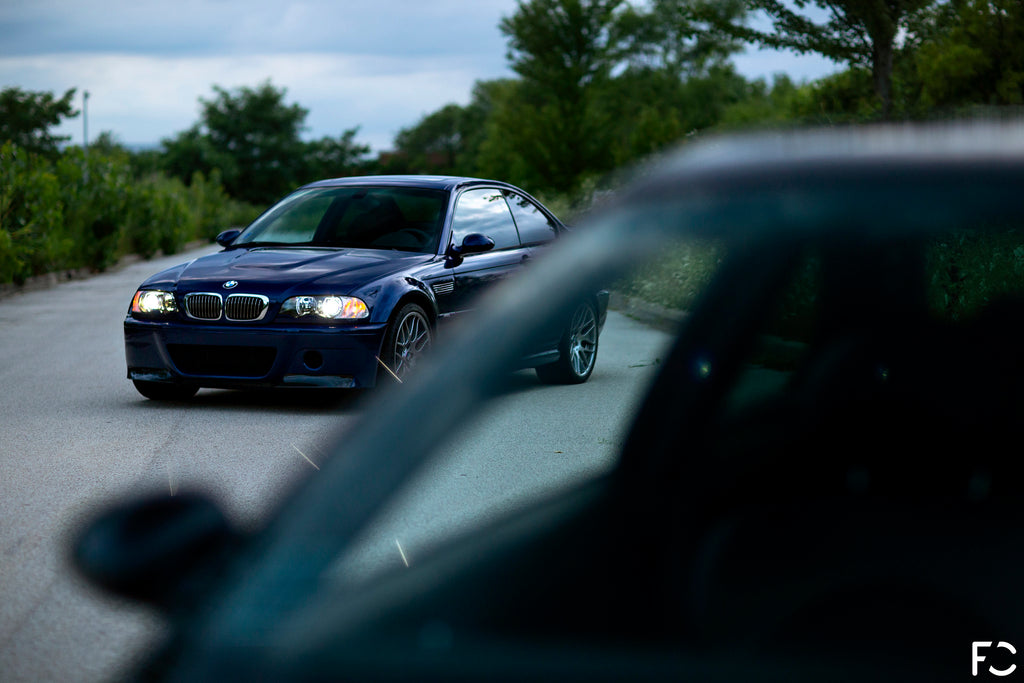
162 391
408 338
577 350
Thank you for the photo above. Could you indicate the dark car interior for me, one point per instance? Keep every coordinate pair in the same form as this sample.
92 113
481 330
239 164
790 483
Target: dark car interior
401 218
861 522
870 507
375 219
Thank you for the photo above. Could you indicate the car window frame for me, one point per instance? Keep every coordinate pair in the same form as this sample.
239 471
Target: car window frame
555 224
455 208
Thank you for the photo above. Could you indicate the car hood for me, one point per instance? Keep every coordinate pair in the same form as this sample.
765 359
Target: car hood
271 270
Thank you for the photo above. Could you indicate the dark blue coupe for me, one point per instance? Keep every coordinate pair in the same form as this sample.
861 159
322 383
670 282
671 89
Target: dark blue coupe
343 283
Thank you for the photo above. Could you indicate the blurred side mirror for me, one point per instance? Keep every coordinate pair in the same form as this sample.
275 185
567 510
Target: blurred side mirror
473 243
162 550
228 236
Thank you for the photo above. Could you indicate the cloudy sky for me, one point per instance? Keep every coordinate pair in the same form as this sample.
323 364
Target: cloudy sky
376 64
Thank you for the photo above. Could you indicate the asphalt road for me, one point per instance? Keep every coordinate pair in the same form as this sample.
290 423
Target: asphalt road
77 435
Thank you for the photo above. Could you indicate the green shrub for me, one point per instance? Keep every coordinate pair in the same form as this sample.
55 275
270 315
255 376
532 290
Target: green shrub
95 193
675 279
88 211
215 210
158 217
32 237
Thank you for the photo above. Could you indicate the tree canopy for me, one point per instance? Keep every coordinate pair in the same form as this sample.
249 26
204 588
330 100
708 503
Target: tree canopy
597 85
27 117
855 32
969 52
253 137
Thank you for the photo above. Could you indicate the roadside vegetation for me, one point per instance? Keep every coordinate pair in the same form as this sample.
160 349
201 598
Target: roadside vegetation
599 85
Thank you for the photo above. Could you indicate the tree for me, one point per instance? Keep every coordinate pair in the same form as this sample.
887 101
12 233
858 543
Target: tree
678 78
505 150
762 105
27 117
970 52
435 144
332 157
448 141
684 38
605 81
856 32
251 138
260 133
192 151
562 49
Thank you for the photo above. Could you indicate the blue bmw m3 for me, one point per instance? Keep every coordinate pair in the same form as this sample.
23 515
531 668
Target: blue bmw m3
342 284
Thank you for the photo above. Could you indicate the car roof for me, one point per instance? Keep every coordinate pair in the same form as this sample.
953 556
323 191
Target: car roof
436 182
874 182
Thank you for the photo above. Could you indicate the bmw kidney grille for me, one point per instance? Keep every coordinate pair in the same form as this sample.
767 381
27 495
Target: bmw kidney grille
203 306
245 307
238 307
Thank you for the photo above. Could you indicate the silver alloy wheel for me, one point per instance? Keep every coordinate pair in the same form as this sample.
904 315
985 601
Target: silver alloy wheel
583 340
412 338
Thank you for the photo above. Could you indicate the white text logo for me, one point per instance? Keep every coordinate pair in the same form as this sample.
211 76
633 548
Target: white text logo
977 657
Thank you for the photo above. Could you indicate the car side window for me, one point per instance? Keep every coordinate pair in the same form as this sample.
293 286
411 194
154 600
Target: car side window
534 225
484 211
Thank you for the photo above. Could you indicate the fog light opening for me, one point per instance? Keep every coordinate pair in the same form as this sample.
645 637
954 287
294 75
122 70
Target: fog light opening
313 360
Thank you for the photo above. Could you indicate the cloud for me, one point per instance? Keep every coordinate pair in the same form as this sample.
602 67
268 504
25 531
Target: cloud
376 64
142 99
202 27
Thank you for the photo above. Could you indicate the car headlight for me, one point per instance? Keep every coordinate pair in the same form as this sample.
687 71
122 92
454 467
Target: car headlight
153 302
327 307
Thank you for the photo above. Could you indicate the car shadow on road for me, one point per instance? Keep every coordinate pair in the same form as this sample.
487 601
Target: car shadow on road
299 401
519 382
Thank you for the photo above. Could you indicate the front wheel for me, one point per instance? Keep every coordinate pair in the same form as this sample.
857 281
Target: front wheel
577 350
164 391
408 338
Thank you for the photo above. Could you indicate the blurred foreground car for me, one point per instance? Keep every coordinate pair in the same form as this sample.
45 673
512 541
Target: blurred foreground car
343 281
821 484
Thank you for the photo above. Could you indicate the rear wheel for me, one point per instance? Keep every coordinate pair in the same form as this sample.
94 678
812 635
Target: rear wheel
408 338
163 391
577 350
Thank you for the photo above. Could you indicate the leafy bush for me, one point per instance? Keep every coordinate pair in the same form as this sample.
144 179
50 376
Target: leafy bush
159 217
32 235
95 194
88 211
675 279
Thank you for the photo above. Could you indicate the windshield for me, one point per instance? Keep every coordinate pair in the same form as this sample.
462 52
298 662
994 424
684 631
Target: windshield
402 218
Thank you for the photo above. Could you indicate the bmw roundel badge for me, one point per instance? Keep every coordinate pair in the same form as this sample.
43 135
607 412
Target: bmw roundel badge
230 284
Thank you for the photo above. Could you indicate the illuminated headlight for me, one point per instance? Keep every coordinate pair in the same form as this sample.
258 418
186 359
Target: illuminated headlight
326 307
153 302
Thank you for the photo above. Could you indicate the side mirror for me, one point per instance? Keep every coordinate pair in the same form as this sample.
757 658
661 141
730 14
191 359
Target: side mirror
228 236
162 550
473 243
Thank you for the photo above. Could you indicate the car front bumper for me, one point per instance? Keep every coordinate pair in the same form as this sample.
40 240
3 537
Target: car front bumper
253 357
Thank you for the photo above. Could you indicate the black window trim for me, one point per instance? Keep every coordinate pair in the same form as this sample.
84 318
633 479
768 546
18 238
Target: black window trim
540 208
501 190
